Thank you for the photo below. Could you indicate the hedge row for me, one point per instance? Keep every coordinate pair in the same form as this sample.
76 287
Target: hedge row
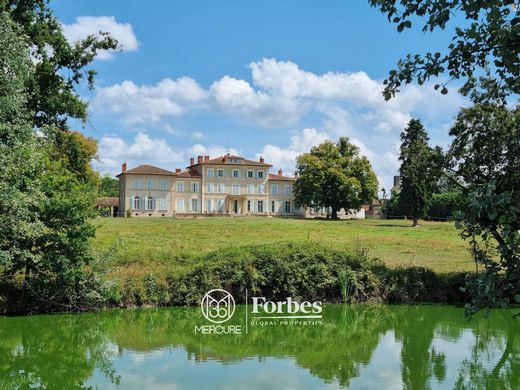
301 271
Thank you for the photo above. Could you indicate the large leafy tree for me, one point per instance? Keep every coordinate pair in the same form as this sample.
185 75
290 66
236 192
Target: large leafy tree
108 186
491 37
420 170
47 187
334 175
485 156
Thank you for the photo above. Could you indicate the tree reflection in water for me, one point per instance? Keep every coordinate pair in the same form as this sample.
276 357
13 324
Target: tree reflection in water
65 351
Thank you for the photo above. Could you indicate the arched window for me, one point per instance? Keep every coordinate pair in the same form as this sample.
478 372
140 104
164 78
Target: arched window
149 203
136 203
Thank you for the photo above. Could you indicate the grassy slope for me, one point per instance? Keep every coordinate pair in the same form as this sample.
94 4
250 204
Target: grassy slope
435 245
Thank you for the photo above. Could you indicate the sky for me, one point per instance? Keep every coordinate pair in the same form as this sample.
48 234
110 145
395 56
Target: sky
255 78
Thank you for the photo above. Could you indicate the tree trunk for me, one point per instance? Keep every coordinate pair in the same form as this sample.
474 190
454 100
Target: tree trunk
415 222
334 214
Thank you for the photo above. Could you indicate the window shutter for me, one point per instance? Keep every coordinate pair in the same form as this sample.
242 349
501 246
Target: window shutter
132 202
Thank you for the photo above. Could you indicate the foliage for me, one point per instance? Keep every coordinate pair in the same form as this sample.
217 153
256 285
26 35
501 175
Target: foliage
335 176
445 205
46 190
394 208
485 155
60 66
492 35
108 186
305 271
420 169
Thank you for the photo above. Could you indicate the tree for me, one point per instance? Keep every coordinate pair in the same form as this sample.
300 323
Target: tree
420 168
485 157
59 65
336 176
46 187
108 186
492 36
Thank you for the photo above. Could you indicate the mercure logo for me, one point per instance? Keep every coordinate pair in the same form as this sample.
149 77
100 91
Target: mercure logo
218 306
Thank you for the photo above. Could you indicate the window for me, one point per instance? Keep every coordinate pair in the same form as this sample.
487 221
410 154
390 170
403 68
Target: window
195 187
235 189
260 174
221 173
288 190
220 188
137 203
250 189
236 173
150 184
220 205
250 174
287 207
260 206
150 203
180 186
163 184
261 188
194 205
274 189
180 205
209 205
248 206
163 206
210 172
272 207
209 187
137 184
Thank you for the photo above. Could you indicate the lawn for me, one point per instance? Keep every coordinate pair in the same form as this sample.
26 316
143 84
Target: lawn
146 241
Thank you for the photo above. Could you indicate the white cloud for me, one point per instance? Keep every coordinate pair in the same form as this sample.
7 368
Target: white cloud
93 25
113 151
212 151
138 104
285 158
198 135
238 97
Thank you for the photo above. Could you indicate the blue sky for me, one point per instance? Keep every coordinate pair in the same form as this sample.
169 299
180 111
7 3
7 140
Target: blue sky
268 78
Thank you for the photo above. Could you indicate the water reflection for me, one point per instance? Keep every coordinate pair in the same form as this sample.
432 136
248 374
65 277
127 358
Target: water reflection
363 346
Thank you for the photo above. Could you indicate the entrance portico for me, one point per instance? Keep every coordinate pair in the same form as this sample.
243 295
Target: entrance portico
236 204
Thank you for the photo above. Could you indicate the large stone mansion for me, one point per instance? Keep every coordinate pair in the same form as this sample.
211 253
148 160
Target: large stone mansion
226 185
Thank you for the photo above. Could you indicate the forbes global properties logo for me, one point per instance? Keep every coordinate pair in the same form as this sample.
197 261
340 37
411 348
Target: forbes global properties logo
218 306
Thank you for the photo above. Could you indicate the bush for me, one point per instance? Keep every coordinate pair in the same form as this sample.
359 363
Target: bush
301 271
445 204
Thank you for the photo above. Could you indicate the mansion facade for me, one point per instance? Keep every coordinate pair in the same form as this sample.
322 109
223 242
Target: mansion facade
226 185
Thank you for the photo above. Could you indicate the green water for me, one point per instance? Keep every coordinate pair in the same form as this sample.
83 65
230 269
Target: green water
360 347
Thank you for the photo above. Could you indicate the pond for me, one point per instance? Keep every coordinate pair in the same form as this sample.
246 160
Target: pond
356 346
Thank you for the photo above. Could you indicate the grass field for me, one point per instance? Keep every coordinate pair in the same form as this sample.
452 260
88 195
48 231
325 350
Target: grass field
146 241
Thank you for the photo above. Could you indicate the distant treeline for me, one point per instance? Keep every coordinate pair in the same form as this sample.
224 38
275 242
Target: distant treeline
441 207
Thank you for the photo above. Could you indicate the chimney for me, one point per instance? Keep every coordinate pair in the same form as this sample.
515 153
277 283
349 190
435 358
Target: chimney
177 170
199 159
280 172
261 160
206 158
123 167
192 161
